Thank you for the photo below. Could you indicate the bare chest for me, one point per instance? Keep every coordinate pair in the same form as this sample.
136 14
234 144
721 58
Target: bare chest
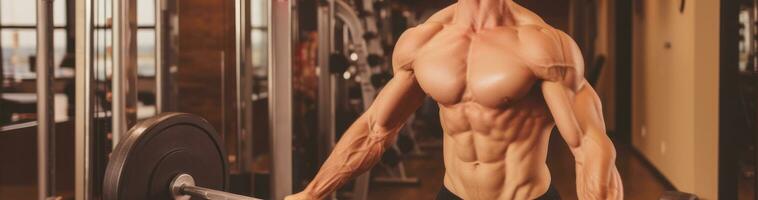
492 68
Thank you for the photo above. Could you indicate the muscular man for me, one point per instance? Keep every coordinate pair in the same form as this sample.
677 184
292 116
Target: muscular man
502 78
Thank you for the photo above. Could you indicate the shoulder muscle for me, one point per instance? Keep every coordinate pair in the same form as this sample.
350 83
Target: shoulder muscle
569 66
409 43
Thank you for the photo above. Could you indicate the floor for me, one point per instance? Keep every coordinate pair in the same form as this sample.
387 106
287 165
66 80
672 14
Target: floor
639 182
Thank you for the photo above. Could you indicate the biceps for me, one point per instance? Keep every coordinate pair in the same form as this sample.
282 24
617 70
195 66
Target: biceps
588 110
576 113
395 103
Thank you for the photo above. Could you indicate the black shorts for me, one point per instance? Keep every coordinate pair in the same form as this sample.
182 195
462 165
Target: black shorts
551 194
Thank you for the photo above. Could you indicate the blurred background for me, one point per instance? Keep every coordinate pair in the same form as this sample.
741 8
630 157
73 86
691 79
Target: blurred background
677 80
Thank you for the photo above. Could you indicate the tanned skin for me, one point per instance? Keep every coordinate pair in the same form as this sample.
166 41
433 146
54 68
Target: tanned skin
503 79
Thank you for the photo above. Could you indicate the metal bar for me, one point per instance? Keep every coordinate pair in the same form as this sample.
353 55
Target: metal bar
326 111
159 54
184 184
45 111
125 69
326 84
240 51
82 169
28 27
248 91
206 193
247 88
245 73
280 101
118 96
98 27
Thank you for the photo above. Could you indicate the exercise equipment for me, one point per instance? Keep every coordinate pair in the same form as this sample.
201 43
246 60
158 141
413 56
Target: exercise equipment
338 63
675 195
340 25
169 156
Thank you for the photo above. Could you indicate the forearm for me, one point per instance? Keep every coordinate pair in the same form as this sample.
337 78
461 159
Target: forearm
357 151
596 173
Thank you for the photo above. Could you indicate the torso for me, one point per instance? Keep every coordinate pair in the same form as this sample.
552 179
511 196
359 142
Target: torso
495 119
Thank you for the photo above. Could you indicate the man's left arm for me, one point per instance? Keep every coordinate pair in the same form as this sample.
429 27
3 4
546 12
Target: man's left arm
578 114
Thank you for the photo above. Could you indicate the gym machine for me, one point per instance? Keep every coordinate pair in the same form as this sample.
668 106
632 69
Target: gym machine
378 69
97 116
106 94
354 46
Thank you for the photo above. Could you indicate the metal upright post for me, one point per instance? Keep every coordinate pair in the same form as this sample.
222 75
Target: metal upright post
45 112
125 67
243 82
84 114
326 110
245 89
280 101
160 66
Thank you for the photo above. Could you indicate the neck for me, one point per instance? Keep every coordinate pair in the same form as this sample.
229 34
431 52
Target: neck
481 14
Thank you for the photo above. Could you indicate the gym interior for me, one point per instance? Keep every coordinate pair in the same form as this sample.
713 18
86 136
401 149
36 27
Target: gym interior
263 90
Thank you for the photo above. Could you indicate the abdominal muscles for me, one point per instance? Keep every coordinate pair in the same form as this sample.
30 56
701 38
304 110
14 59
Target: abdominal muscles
496 153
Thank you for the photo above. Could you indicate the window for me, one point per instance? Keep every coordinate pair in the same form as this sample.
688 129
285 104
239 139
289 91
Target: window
18 43
18 38
146 38
259 44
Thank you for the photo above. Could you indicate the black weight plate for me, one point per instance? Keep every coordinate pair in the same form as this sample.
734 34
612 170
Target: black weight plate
160 148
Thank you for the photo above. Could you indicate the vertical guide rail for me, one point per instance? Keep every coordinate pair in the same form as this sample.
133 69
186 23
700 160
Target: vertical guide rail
280 100
326 110
244 82
159 54
45 111
82 169
239 62
124 67
245 98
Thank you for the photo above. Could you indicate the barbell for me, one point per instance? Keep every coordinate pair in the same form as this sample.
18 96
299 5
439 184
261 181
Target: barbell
169 156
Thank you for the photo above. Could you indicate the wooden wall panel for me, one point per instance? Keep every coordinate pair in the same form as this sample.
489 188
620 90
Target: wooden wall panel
206 58
206 77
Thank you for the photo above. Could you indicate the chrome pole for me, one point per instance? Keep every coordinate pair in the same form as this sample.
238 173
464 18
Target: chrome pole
244 86
326 82
125 67
240 51
280 100
45 112
159 54
84 113
183 186
326 110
